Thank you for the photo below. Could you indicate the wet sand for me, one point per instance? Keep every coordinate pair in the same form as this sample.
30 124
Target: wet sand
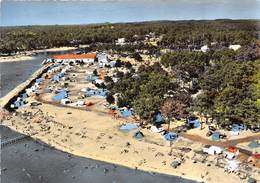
28 161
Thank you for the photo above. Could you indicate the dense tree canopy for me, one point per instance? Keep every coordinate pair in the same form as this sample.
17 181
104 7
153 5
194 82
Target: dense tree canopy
221 84
177 34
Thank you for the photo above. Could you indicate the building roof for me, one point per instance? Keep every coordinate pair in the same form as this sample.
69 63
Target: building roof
75 56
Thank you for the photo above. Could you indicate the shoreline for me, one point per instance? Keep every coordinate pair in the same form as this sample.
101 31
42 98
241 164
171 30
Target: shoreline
190 171
92 124
56 160
14 92
16 58
28 55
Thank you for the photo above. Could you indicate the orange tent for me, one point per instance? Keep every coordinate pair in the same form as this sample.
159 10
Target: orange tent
232 149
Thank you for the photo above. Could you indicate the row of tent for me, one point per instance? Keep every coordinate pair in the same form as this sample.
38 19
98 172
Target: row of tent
61 69
170 136
22 99
34 87
230 153
56 78
191 122
237 128
95 92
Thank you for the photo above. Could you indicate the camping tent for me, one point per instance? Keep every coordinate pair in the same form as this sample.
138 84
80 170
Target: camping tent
236 128
126 113
170 136
254 144
65 101
156 130
61 95
39 81
232 165
158 118
212 150
193 123
91 77
138 135
129 126
231 153
215 136
96 92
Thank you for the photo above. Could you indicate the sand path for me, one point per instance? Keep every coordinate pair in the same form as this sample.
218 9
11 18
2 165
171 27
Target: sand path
224 144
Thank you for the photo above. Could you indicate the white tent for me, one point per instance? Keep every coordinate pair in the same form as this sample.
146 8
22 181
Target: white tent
65 101
80 103
212 150
156 130
232 166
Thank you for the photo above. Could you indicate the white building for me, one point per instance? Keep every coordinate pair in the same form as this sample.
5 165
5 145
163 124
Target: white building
234 47
204 48
104 61
120 41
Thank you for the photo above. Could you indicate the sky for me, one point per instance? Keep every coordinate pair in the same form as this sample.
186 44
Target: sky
48 12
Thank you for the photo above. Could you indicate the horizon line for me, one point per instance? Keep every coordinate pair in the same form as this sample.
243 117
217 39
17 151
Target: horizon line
146 21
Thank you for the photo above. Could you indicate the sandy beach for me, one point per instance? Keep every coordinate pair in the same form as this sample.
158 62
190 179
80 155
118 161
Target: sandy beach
33 161
28 55
96 136
16 58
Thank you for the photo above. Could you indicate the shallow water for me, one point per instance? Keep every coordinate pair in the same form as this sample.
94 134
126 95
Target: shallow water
14 73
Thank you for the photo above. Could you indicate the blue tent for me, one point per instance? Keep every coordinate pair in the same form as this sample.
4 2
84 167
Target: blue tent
170 136
193 123
215 136
24 95
129 126
91 77
102 92
61 95
17 104
126 113
39 81
158 118
57 77
96 92
237 127
254 144
138 135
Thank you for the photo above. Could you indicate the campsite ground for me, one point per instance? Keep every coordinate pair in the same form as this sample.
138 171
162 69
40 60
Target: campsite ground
94 133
